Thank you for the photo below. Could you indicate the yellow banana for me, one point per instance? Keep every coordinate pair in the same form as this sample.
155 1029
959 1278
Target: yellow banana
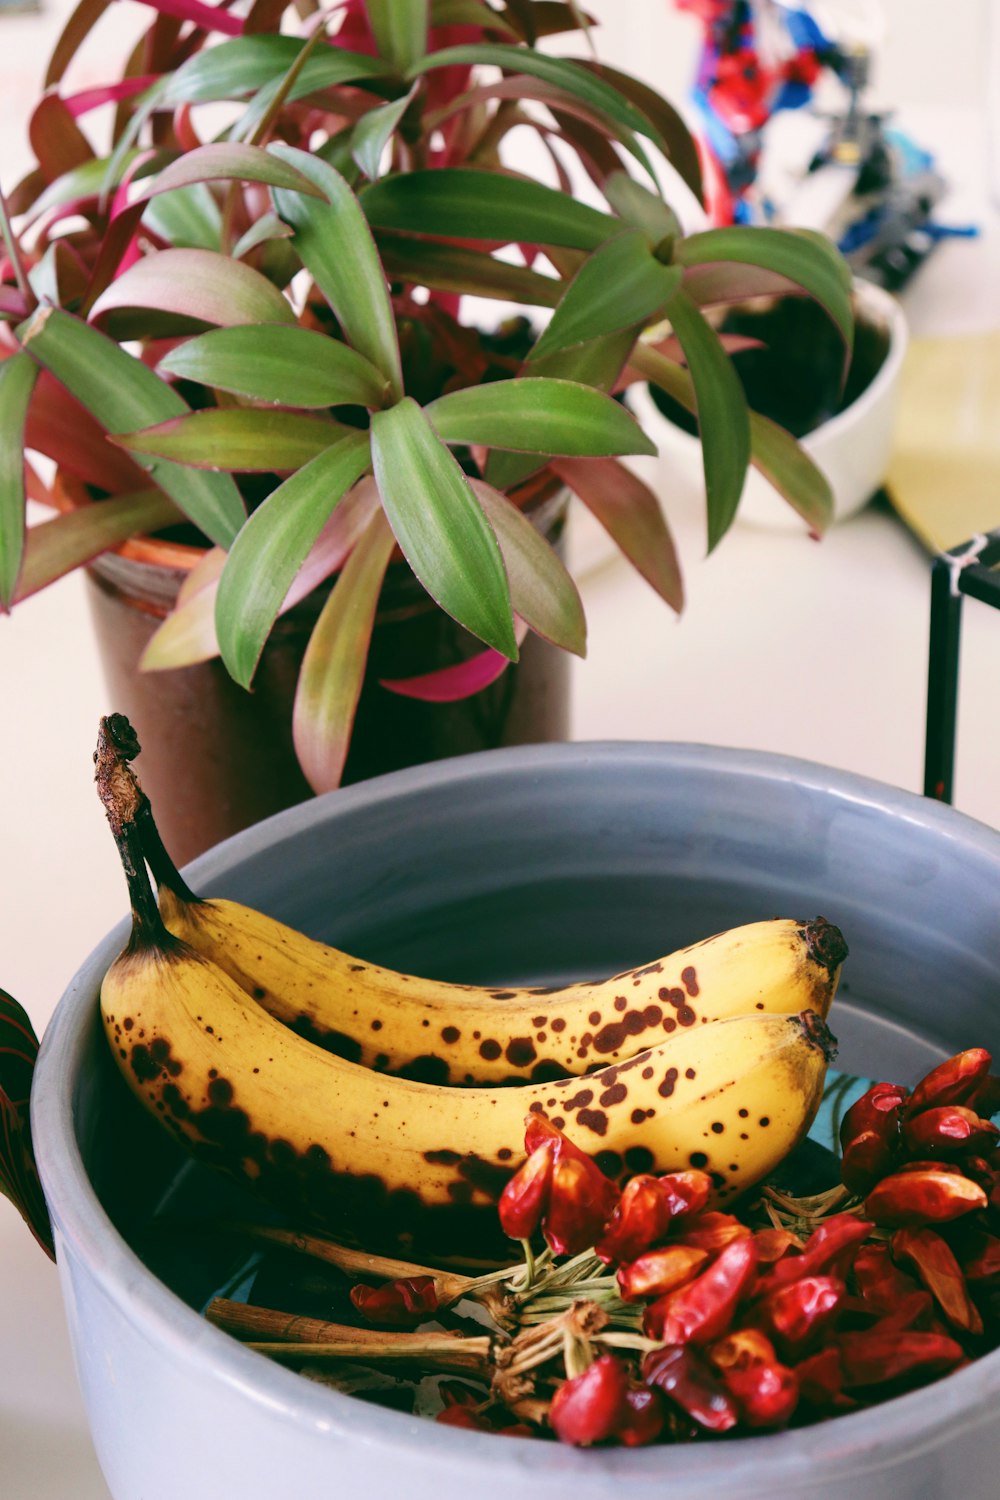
393 1158
435 1032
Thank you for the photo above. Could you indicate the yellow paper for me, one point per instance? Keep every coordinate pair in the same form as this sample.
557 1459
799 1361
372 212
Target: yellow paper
944 477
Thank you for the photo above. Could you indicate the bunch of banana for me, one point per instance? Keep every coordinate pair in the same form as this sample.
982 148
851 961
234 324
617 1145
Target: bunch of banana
404 1160
434 1032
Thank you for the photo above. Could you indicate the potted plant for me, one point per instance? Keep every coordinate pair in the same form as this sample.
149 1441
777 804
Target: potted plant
243 349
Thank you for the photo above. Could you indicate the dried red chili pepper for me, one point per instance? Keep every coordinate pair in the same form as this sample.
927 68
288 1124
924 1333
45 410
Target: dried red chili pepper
935 1264
980 1256
772 1244
406 1300
821 1382
466 1417
702 1311
986 1100
713 1231
915 1310
659 1271
640 1218
869 1135
884 1356
589 1408
686 1192
689 1381
580 1200
766 1390
829 1242
645 1418
947 1130
925 1195
880 1282
526 1195
952 1082
797 1312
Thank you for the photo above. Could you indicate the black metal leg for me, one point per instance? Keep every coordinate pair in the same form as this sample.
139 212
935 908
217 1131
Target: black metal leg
942 682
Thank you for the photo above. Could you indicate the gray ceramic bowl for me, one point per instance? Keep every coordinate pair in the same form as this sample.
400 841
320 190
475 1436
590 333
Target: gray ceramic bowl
538 863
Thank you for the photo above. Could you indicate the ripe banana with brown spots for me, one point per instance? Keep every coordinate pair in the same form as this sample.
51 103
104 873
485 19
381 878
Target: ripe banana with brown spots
390 1158
435 1032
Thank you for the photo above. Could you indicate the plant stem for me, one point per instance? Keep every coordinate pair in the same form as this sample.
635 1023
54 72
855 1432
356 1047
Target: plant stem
14 252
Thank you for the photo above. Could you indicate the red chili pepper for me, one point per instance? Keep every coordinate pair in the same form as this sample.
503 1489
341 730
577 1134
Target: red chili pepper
767 1394
526 1195
659 1271
881 1356
686 1192
925 1195
702 1311
406 1300
464 1416
589 1408
935 1264
645 1418
713 1231
795 1313
986 1100
869 1135
640 1218
880 1282
689 1381
772 1244
980 1256
915 1310
827 1244
580 1200
821 1382
953 1082
947 1130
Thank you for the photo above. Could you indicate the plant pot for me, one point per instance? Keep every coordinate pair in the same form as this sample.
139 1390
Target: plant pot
848 432
217 759
535 864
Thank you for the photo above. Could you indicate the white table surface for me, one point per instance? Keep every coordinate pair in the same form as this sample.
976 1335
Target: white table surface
815 650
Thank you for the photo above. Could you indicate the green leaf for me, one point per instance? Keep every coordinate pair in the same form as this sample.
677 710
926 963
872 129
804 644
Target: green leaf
810 260
289 366
85 181
400 30
456 268
373 132
333 667
124 395
335 244
470 13
723 419
268 227
19 1179
563 72
200 284
18 374
461 203
239 440
792 472
188 218
325 67
54 548
620 285
638 206
541 590
440 525
233 69
672 134
538 415
225 161
271 548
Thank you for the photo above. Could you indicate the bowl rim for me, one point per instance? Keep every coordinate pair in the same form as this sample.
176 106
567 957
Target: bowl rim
849 1446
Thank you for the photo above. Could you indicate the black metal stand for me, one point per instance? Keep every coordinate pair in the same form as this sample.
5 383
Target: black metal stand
968 569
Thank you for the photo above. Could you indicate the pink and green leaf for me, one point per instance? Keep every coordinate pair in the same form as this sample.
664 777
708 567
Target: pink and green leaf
333 667
236 68
463 679
54 548
440 526
335 244
288 366
207 17
631 515
400 30
18 375
273 545
535 414
467 272
672 133
542 592
225 161
500 208
374 131
124 395
238 440
18 1173
200 284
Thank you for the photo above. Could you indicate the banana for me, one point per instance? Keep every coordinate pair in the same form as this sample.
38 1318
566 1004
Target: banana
434 1032
421 1163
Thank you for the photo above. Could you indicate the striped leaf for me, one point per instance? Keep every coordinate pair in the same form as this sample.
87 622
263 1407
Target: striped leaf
289 366
18 1172
18 374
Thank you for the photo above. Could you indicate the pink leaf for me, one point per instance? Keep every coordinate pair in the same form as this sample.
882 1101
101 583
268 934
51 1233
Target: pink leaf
210 17
630 513
108 93
450 684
